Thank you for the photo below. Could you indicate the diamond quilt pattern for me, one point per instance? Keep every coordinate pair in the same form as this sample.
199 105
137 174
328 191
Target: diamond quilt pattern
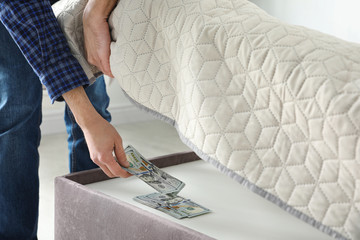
275 106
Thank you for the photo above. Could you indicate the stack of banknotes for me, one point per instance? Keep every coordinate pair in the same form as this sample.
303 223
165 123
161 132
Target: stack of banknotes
166 198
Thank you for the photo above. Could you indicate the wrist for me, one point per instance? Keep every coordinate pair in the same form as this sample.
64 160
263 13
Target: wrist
87 119
96 9
84 112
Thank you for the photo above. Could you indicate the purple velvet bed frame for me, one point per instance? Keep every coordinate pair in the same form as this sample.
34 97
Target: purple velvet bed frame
83 213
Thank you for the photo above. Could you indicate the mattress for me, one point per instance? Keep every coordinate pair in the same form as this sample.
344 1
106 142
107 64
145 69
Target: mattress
274 106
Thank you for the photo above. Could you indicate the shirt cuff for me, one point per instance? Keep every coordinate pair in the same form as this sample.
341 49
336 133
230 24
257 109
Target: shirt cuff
62 77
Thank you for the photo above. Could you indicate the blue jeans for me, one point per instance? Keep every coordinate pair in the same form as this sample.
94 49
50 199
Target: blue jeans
20 118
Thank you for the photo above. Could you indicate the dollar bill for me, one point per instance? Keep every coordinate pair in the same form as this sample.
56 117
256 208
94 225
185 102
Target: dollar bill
175 206
159 206
166 199
151 174
190 208
137 165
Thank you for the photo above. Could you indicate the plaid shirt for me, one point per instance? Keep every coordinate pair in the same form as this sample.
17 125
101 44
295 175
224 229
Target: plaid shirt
34 28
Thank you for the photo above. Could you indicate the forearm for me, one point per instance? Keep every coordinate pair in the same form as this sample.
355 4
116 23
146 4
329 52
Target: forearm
101 137
80 105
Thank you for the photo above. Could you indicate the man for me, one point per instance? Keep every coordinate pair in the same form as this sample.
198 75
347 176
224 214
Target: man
33 26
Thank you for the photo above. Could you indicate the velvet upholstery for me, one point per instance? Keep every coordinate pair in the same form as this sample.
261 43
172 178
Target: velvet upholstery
81 213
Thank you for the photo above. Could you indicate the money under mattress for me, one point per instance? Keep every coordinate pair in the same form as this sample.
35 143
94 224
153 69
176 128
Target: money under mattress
274 106
259 219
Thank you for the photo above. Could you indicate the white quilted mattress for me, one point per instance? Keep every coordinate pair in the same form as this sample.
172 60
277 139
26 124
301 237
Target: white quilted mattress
274 106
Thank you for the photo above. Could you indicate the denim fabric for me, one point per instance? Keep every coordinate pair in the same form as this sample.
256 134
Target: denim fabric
20 118
78 152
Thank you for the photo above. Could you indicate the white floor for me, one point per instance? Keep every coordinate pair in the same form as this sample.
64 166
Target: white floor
151 138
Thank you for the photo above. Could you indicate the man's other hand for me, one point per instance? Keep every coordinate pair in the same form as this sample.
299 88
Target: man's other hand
97 34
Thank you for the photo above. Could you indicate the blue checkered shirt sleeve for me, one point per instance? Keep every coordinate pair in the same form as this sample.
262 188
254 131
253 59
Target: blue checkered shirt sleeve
34 28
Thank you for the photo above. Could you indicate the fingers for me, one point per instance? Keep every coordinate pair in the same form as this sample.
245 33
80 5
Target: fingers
97 41
104 54
102 63
104 66
104 59
120 153
100 163
115 168
110 167
102 140
107 171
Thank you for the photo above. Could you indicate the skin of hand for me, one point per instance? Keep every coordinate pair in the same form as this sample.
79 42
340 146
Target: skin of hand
97 34
101 137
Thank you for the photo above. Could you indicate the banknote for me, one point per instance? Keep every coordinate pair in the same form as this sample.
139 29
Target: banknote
172 212
153 203
137 165
159 199
175 206
166 199
190 208
151 174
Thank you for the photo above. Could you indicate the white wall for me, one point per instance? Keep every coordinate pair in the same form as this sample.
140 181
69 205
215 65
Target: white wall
336 17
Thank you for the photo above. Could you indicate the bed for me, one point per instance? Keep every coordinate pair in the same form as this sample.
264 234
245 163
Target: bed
90 206
274 106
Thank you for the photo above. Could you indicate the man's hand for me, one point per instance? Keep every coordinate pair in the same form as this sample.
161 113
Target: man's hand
101 137
96 33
